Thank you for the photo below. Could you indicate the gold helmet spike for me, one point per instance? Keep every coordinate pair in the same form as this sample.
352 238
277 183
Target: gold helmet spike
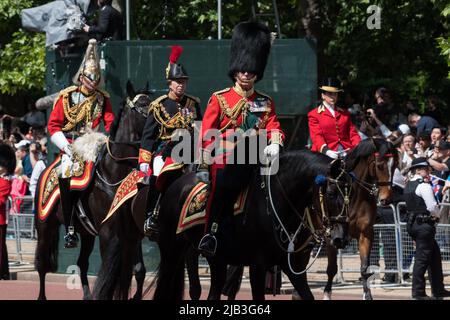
90 67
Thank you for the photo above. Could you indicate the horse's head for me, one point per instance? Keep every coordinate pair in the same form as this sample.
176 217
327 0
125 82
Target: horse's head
372 163
131 119
381 168
336 199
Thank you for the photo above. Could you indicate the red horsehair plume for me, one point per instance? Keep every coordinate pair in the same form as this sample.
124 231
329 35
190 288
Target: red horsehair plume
175 54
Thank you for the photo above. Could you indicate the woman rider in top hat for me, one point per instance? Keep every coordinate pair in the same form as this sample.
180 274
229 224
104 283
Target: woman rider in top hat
330 127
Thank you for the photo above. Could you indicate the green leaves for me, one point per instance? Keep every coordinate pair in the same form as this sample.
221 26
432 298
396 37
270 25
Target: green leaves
22 63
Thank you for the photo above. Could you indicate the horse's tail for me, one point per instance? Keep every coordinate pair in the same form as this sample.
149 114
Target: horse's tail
170 276
107 279
120 251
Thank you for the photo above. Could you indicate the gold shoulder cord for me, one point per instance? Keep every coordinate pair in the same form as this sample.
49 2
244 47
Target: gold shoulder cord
169 123
232 113
78 112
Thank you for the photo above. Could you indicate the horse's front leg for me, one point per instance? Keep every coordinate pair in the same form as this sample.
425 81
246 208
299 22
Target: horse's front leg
332 269
365 244
87 245
257 281
218 277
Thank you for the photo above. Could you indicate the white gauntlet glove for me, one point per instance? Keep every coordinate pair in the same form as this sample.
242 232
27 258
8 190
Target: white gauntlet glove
272 150
144 167
332 154
61 142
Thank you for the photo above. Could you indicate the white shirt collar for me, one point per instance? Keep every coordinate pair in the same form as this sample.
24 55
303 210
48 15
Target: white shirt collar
330 108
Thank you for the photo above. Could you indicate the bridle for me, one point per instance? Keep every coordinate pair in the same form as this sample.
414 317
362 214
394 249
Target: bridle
140 109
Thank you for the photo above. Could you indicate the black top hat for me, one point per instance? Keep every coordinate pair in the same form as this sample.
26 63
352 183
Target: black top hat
7 158
174 70
250 48
419 163
331 85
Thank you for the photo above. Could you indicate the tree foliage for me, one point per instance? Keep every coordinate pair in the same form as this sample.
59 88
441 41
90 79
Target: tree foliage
22 54
410 53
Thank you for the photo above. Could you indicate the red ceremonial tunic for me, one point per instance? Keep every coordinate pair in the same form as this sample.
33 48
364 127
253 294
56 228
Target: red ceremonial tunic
223 113
222 104
5 190
57 119
327 131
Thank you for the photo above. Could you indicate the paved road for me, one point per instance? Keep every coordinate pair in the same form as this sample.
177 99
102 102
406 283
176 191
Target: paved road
29 289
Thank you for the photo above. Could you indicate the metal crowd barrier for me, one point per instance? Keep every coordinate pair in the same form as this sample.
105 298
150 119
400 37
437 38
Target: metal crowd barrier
21 226
392 247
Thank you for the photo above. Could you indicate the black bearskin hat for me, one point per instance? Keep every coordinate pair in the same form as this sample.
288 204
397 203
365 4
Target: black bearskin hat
250 48
174 70
7 158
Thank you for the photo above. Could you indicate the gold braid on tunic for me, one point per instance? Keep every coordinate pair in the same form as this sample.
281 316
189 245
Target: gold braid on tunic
81 112
167 123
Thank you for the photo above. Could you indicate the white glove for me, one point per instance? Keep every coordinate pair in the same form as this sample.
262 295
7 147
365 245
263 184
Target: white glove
66 166
144 167
60 140
332 154
203 176
272 150
68 150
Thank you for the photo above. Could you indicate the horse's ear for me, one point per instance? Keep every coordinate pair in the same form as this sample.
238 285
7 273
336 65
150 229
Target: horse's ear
130 90
334 168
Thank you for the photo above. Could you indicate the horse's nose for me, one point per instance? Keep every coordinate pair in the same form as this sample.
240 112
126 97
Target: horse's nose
338 243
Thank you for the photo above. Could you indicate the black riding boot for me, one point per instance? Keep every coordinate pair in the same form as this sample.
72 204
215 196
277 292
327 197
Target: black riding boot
71 238
151 228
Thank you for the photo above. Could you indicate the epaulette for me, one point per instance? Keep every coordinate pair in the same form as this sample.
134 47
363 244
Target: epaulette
64 92
105 93
265 95
67 90
196 99
221 91
156 102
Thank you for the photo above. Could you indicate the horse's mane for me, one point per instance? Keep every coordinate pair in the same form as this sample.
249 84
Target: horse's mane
116 122
115 125
304 162
367 148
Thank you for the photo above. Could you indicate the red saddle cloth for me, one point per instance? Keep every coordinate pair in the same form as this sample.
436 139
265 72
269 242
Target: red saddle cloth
48 188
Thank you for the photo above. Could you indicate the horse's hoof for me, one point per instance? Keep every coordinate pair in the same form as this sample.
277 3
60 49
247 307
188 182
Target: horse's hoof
296 296
136 297
326 295
367 296
88 297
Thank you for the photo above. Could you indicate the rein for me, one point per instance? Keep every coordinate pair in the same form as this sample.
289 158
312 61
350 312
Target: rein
108 148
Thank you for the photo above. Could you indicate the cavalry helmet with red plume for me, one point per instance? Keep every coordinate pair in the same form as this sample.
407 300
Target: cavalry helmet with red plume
175 70
250 48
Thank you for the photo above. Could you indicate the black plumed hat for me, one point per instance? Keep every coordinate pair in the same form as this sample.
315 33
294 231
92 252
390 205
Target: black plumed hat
7 158
250 48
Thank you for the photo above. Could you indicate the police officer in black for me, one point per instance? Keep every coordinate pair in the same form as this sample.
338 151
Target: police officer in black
109 25
169 112
423 214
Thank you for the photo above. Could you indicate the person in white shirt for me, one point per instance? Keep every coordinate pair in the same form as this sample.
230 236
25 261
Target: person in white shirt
423 214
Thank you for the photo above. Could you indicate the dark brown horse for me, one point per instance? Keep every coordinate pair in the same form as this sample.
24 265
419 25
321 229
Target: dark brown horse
371 165
96 200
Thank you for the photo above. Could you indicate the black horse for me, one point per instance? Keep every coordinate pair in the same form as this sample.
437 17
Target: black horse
261 237
114 163
371 165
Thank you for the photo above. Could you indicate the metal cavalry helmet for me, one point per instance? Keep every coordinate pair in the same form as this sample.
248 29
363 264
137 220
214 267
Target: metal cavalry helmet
90 67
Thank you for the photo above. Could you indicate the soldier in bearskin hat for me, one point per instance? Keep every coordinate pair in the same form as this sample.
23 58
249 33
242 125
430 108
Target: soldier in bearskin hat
171 111
240 107
7 166
78 109
330 127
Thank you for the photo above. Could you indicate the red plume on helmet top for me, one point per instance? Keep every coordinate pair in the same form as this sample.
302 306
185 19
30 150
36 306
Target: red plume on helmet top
175 70
175 54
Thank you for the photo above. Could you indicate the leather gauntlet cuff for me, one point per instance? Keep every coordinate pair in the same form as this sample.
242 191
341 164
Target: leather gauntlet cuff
145 156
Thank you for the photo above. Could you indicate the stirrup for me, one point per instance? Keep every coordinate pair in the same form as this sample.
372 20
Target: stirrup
151 229
71 239
208 245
